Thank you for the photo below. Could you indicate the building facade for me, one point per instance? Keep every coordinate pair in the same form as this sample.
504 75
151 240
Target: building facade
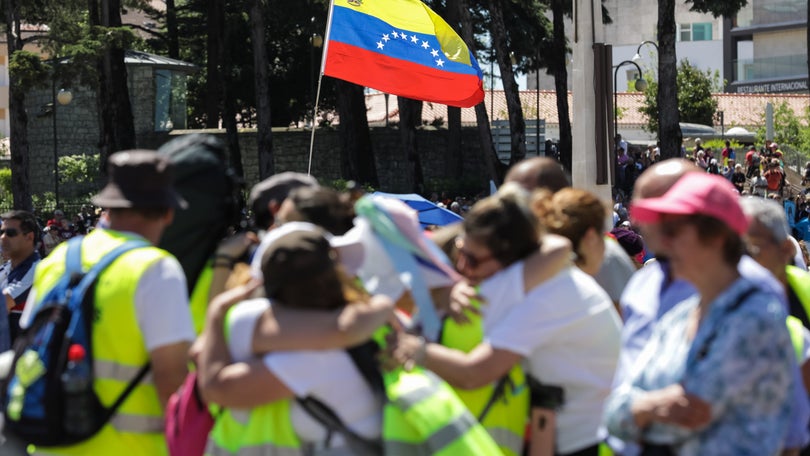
765 50
699 40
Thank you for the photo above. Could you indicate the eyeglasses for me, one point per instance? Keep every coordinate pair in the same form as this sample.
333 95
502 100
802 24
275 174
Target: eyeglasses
9 232
471 260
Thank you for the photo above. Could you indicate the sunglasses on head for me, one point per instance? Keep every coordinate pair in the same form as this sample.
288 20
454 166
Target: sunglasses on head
9 232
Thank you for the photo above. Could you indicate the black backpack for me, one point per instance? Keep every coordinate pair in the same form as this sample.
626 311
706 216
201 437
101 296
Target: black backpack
40 397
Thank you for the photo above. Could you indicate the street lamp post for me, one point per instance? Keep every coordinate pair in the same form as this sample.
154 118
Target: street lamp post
640 86
315 41
637 57
64 97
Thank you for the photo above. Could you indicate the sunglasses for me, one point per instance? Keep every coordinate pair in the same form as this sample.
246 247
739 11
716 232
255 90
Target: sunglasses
9 232
471 260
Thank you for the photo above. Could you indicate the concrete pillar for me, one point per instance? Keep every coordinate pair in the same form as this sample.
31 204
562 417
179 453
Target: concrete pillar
587 31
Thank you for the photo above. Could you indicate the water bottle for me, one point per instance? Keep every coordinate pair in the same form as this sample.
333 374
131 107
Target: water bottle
77 385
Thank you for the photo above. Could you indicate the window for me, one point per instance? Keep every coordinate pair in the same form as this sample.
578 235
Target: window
702 31
170 100
699 31
684 32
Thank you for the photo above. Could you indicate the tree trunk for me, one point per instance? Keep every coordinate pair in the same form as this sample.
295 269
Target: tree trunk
453 164
103 108
517 125
213 91
116 121
18 118
261 77
494 167
357 156
565 145
171 30
228 102
669 129
410 117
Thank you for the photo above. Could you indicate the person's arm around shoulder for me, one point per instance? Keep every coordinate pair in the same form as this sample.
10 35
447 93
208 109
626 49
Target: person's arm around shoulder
554 255
291 329
481 366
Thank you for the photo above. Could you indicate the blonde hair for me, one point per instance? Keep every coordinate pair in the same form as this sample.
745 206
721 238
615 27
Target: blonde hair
570 212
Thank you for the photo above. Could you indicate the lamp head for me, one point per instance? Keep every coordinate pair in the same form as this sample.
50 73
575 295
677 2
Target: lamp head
64 97
641 84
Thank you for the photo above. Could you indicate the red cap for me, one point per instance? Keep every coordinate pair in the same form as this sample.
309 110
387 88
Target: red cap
76 352
695 193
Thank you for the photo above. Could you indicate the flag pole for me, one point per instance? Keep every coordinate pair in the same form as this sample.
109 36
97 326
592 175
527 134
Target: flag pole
320 80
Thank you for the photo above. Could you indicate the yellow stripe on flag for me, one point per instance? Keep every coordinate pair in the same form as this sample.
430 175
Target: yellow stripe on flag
413 16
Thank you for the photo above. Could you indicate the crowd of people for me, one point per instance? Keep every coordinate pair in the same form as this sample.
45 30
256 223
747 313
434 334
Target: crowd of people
338 325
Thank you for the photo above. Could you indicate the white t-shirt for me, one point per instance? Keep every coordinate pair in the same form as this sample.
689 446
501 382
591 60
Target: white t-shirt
161 305
328 375
569 331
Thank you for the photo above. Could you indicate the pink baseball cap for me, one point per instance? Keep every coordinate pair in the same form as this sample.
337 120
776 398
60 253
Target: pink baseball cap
695 193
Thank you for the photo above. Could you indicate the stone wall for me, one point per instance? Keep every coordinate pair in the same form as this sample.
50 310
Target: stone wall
77 133
77 129
291 153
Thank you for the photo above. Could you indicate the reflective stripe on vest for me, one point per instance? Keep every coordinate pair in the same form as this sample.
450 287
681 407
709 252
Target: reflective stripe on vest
267 449
425 417
413 397
444 436
119 372
506 438
141 424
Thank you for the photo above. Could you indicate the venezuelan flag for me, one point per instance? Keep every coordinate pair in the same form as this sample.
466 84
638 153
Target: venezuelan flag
401 47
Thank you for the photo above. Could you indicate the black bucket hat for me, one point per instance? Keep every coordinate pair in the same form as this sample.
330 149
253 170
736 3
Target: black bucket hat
139 179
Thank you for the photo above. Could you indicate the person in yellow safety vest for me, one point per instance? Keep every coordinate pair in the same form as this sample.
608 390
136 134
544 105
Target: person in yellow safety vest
422 416
768 242
502 407
571 330
141 306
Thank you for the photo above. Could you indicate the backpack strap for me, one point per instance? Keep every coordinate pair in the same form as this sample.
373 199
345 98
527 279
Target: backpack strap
88 280
332 422
363 357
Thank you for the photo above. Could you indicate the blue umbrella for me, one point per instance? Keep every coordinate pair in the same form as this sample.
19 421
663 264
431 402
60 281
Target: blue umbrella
428 213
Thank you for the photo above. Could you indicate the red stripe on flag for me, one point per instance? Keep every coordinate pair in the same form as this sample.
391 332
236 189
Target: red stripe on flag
402 78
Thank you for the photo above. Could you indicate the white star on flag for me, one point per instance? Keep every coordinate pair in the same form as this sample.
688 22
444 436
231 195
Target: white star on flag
440 62
425 44
385 37
396 35
403 35
380 45
414 39
434 53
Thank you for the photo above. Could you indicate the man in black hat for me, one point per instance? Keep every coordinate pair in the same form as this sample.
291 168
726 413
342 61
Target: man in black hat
141 305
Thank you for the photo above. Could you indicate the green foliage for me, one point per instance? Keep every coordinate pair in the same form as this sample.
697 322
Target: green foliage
695 102
27 71
718 8
82 169
5 181
788 127
342 185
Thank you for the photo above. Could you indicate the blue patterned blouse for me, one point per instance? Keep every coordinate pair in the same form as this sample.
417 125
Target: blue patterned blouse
740 362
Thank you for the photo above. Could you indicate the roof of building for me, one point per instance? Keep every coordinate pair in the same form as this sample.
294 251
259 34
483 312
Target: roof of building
743 110
133 57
